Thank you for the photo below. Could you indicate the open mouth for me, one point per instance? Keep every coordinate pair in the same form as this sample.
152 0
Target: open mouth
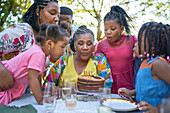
109 38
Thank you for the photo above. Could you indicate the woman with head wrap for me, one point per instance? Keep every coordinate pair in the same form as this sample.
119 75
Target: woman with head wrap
19 37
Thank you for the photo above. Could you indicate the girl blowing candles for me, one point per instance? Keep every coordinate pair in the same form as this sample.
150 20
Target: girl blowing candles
153 77
118 48
27 67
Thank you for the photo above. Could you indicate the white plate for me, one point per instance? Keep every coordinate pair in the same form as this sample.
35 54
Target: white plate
120 104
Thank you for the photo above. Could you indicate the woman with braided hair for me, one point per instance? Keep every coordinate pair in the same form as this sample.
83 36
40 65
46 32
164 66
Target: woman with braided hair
19 37
153 77
84 60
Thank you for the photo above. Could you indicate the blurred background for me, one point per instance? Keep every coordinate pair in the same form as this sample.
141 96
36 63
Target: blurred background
92 12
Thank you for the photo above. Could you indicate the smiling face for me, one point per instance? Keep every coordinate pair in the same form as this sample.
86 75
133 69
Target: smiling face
58 49
112 31
84 46
50 13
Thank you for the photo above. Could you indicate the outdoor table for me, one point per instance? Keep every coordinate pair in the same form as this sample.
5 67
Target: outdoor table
82 107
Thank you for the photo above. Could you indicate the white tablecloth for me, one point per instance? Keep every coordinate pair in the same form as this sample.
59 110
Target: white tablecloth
82 107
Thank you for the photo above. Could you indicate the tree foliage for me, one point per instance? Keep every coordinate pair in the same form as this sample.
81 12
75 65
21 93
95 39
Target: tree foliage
11 11
98 8
90 8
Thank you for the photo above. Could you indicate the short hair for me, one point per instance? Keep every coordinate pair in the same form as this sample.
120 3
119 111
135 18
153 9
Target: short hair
66 11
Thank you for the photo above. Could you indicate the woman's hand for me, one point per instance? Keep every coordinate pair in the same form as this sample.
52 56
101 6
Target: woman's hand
146 106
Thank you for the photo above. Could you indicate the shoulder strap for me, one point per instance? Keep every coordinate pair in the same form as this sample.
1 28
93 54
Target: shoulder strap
149 63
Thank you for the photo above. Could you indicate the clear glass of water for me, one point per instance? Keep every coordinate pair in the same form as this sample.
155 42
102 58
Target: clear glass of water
105 93
71 95
49 98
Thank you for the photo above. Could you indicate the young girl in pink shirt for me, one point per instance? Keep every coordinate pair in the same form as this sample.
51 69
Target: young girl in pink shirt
118 48
27 67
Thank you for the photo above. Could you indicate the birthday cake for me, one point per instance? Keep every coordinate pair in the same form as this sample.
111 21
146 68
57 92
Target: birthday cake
93 83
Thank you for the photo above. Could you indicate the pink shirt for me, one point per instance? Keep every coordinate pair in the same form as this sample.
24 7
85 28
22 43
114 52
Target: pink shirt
33 58
120 58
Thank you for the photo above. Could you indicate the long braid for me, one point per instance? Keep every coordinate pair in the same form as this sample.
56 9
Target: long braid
167 28
155 41
157 35
162 39
140 36
147 37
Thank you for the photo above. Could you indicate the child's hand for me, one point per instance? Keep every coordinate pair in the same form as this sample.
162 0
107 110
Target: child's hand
123 92
146 106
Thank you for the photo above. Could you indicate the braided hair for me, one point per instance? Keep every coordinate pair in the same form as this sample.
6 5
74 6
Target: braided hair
158 36
81 30
119 15
30 16
51 32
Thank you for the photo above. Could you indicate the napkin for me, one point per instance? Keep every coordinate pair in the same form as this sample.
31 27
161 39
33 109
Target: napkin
14 109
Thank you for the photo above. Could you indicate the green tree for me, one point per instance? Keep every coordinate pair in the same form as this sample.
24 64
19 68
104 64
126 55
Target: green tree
98 8
11 11
92 8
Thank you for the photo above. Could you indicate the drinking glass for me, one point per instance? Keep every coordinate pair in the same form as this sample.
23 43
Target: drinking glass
49 98
105 93
65 87
165 106
71 95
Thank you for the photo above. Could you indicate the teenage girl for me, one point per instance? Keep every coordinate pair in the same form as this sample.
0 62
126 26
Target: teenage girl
27 67
153 77
118 48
